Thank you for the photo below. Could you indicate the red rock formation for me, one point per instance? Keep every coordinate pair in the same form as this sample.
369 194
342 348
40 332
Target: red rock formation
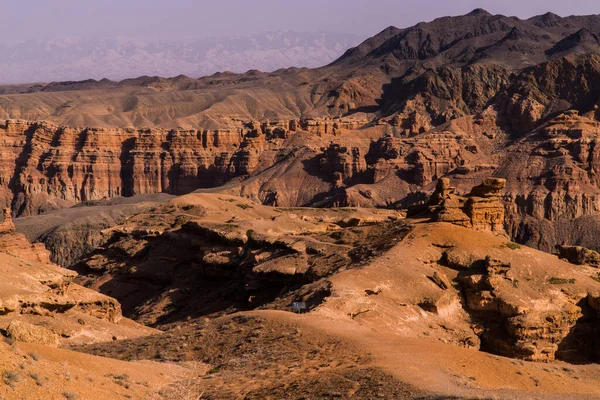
481 209
40 304
422 159
43 166
339 163
7 225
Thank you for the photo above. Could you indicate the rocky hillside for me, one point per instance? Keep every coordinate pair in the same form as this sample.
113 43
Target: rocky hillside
220 277
487 315
417 219
42 311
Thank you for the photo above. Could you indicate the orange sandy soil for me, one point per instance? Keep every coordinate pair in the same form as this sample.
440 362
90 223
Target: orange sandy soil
31 371
451 370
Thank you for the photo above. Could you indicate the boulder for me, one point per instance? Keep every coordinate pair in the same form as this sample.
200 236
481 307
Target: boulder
490 187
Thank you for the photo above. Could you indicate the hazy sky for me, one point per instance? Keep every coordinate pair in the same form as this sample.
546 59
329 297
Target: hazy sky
33 19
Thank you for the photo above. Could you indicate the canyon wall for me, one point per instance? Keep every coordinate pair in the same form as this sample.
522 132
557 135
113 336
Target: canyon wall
44 166
552 190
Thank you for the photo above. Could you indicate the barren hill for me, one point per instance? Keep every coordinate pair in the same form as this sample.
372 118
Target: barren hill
441 304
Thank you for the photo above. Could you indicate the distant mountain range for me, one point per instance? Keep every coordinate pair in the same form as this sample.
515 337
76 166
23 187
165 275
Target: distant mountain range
120 58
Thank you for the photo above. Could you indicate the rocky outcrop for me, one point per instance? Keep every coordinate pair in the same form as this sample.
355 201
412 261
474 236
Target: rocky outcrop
579 255
533 334
484 206
40 304
529 97
481 209
72 233
521 303
552 184
7 225
45 166
422 159
29 333
448 207
332 126
467 285
237 254
339 164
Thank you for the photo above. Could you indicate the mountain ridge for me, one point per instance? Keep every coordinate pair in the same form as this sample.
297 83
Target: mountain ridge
121 58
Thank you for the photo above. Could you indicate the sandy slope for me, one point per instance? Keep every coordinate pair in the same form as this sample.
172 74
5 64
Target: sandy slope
450 370
32 371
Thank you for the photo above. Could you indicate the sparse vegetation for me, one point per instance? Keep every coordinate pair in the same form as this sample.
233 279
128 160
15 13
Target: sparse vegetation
561 281
181 220
11 377
357 313
37 378
122 377
535 380
122 383
161 355
70 395
510 245
244 206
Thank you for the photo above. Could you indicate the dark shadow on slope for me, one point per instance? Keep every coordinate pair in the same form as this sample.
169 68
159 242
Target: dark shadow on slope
127 168
582 344
19 202
192 272
197 270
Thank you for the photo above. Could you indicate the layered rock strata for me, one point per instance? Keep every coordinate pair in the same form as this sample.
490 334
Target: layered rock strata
481 209
46 166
